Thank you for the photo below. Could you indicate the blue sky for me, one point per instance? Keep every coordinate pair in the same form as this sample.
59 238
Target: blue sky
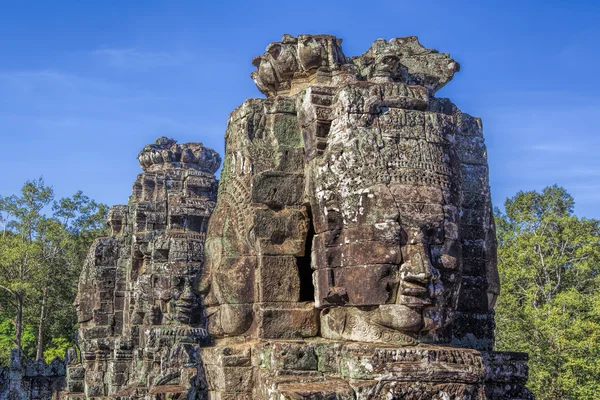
84 85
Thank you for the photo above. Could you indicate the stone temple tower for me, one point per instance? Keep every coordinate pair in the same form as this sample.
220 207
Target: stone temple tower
349 253
141 319
352 252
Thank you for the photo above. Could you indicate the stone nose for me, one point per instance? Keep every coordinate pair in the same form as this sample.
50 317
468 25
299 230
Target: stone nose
417 267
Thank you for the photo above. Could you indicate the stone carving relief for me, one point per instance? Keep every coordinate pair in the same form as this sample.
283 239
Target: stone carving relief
24 379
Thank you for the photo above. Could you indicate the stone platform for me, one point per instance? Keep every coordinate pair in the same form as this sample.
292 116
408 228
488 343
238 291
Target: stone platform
322 369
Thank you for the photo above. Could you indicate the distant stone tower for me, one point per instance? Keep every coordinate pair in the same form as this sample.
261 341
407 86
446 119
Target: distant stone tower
141 320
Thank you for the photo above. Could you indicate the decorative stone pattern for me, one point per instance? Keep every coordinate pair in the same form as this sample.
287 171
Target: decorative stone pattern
24 379
324 369
352 252
141 319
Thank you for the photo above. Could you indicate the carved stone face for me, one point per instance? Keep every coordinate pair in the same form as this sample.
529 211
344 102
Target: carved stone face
387 223
116 220
186 305
386 65
429 273
83 308
87 293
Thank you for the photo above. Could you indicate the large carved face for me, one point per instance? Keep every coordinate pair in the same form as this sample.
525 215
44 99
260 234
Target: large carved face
83 304
117 220
391 204
102 252
429 272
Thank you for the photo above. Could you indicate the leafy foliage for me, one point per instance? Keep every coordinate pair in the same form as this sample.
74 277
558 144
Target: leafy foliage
7 335
42 246
549 263
57 348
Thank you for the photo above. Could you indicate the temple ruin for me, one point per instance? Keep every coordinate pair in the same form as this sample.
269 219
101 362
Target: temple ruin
350 251
141 322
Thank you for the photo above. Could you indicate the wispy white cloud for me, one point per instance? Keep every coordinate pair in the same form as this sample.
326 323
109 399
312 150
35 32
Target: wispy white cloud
584 172
554 147
135 59
38 82
82 128
40 93
586 194
540 138
62 103
579 49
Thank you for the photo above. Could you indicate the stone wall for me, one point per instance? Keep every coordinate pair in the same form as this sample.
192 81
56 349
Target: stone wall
24 379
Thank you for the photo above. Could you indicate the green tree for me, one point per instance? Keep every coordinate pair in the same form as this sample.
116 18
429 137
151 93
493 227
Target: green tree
42 248
549 263
66 238
21 267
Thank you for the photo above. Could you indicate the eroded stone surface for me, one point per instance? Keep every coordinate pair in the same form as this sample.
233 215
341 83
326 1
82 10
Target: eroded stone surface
24 379
353 169
354 212
324 369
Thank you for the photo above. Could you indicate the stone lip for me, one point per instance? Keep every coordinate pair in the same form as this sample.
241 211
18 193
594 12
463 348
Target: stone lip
166 153
295 63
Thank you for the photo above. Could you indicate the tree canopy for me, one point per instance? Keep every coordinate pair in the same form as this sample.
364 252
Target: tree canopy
549 264
42 247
